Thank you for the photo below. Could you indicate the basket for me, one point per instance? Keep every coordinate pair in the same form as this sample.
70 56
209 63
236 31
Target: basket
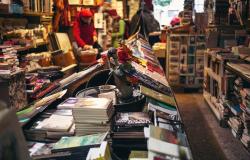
87 57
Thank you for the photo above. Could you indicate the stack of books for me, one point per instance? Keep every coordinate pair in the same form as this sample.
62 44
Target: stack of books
236 126
167 99
8 60
245 94
127 130
143 52
91 115
245 139
39 150
78 146
51 127
166 144
155 105
245 98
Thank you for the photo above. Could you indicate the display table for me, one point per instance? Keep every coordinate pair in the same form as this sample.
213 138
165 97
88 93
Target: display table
148 80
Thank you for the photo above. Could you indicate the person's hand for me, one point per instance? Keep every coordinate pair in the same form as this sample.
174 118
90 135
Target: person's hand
86 47
95 39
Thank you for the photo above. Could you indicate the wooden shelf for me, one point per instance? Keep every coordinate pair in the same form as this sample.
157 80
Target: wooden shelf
25 14
82 5
37 14
207 97
212 74
243 76
21 49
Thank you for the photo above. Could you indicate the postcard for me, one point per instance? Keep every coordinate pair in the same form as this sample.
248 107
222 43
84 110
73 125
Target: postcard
174 45
183 49
192 40
191 59
201 38
191 50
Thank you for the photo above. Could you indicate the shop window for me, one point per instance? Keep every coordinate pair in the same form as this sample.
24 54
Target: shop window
199 6
165 10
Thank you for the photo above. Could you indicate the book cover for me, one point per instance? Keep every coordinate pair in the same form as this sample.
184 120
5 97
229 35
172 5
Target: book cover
157 96
63 41
167 136
153 104
170 149
67 143
74 2
90 103
93 153
132 119
138 154
57 123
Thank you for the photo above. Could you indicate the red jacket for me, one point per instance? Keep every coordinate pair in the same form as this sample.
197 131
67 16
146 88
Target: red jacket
83 33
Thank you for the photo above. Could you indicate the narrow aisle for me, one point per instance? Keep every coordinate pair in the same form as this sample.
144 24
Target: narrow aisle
207 139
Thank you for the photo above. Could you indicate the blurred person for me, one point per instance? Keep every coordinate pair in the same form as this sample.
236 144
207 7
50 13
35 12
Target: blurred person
118 30
84 31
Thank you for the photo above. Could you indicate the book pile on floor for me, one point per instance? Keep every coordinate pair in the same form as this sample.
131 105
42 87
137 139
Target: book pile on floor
245 99
76 148
245 139
127 130
245 94
8 60
47 128
166 144
91 115
236 126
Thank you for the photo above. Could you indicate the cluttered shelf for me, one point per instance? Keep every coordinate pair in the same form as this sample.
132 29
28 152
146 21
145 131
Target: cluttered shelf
26 48
66 86
85 6
25 14
240 69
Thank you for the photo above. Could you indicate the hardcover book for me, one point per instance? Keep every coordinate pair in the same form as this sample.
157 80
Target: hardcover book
167 136
132 119
72 143
153 104
57 123
88 103
157 96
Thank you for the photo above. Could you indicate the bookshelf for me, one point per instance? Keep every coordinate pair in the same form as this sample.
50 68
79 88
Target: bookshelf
217 81
239 101
25 14
237 73
23 49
